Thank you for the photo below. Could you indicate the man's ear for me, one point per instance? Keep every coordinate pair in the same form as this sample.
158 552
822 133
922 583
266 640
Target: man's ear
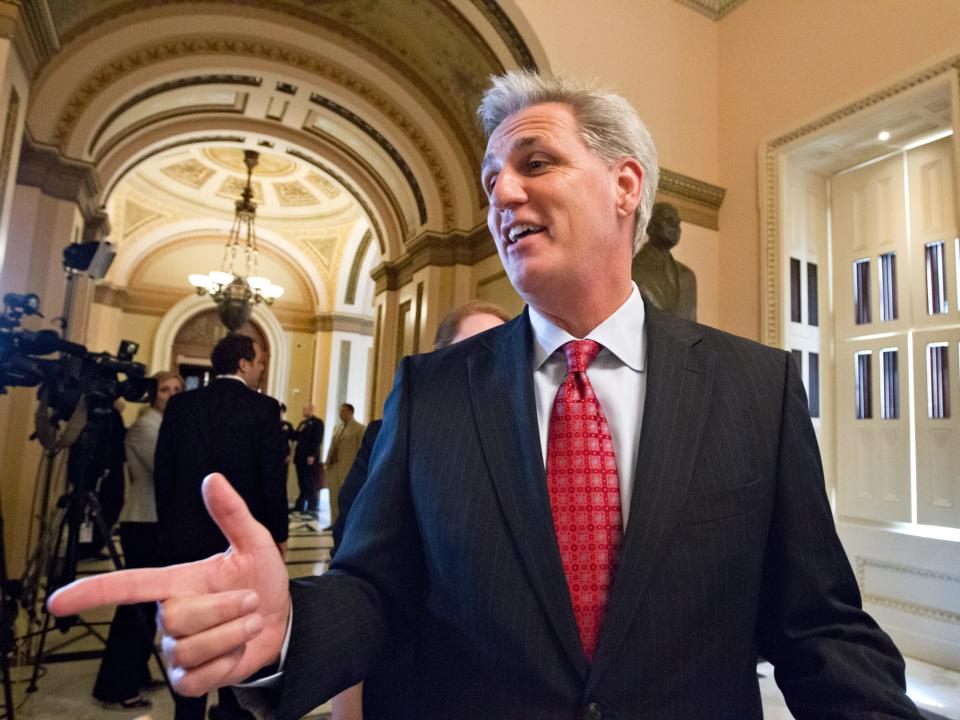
629 185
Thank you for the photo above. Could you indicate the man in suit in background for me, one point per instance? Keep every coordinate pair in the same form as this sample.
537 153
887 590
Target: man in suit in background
594 511
306 458
344 445
226 424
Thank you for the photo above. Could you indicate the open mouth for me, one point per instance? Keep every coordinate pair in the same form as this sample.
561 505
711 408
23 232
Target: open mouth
521 231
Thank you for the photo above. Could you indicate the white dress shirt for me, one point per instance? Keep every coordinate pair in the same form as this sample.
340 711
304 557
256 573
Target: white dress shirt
618 376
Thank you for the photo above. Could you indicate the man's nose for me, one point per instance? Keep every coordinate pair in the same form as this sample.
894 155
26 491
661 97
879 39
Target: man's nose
508 190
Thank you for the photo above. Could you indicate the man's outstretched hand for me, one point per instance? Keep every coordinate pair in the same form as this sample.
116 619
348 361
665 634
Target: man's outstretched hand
221 619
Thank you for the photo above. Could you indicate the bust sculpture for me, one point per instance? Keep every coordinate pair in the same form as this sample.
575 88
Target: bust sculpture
663 281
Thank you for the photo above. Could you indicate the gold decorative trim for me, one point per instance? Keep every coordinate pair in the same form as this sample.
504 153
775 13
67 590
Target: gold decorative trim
433 250
713 9
178 84
507 31
946 616
100 78
343 322
35 35
770 321
697 201
375 177
466 130
350 296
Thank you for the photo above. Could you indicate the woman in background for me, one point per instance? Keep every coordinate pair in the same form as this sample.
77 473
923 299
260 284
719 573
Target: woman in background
124 671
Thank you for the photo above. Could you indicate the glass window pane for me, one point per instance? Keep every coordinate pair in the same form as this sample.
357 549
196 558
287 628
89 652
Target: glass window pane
936 272
795 290
862 386
813 389
813 309
889 384
938 381
888 287
861 291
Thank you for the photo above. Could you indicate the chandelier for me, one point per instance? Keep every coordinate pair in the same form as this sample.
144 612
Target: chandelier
236 287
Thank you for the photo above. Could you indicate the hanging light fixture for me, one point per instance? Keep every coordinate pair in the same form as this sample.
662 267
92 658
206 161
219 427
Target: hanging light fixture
236 287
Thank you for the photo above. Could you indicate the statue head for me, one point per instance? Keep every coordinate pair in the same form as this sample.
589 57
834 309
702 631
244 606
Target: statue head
664 227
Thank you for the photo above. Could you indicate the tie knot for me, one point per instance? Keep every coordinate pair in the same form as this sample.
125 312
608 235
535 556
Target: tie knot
580 353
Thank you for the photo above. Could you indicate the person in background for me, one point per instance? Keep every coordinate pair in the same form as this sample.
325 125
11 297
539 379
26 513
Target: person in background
306 458
124 670
227 424
378 692
340 456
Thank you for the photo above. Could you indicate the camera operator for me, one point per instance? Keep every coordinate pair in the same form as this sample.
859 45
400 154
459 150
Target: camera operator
124 670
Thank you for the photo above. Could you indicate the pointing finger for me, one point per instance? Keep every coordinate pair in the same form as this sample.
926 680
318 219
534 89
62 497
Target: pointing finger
232 516
129 586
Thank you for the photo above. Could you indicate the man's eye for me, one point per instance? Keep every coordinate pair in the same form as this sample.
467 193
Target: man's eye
535 164
491 181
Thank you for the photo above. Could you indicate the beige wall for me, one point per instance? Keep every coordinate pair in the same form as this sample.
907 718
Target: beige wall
658 53
780 67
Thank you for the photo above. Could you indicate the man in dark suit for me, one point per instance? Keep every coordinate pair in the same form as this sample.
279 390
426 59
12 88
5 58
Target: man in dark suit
224 425
306 458
594 511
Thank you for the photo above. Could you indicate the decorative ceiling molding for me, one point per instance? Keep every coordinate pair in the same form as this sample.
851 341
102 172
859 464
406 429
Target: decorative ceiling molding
713 9
350 296
104 76
34 34
222 79
435 250
375 135
59 177
325 14
508 32
698 202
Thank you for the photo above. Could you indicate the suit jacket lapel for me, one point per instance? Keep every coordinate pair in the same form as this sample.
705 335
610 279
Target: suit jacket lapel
679 380
501 391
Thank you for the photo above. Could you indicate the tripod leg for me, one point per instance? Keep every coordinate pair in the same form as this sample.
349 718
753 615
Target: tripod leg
7 687
32 687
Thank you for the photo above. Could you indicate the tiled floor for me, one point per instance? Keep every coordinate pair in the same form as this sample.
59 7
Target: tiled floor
64 687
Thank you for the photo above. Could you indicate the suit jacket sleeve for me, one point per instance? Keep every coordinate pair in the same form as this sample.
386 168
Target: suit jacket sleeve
832 660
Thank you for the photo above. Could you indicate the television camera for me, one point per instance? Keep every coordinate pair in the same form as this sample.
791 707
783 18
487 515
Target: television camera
77 373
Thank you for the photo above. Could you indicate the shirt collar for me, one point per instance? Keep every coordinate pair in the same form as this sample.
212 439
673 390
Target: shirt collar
230 377
618 334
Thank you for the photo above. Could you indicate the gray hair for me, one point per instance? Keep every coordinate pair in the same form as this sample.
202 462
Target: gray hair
609 124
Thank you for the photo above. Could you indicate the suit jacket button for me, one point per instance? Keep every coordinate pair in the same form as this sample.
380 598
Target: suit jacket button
593 711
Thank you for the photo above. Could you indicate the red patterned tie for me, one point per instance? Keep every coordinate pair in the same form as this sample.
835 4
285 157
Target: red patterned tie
584 492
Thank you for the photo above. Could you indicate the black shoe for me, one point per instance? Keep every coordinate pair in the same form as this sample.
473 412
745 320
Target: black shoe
134 703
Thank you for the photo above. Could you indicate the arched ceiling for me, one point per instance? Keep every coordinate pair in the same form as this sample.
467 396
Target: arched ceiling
213 175
363 111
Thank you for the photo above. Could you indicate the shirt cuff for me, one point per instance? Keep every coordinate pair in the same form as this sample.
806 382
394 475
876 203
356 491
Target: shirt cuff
269 676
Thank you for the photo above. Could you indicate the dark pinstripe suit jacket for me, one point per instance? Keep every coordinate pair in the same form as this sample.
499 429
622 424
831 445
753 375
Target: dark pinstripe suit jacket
730 551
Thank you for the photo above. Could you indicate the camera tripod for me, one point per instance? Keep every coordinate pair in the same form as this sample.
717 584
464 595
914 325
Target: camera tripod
78 506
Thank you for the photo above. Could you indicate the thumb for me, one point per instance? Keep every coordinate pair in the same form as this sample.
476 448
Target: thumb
231 514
